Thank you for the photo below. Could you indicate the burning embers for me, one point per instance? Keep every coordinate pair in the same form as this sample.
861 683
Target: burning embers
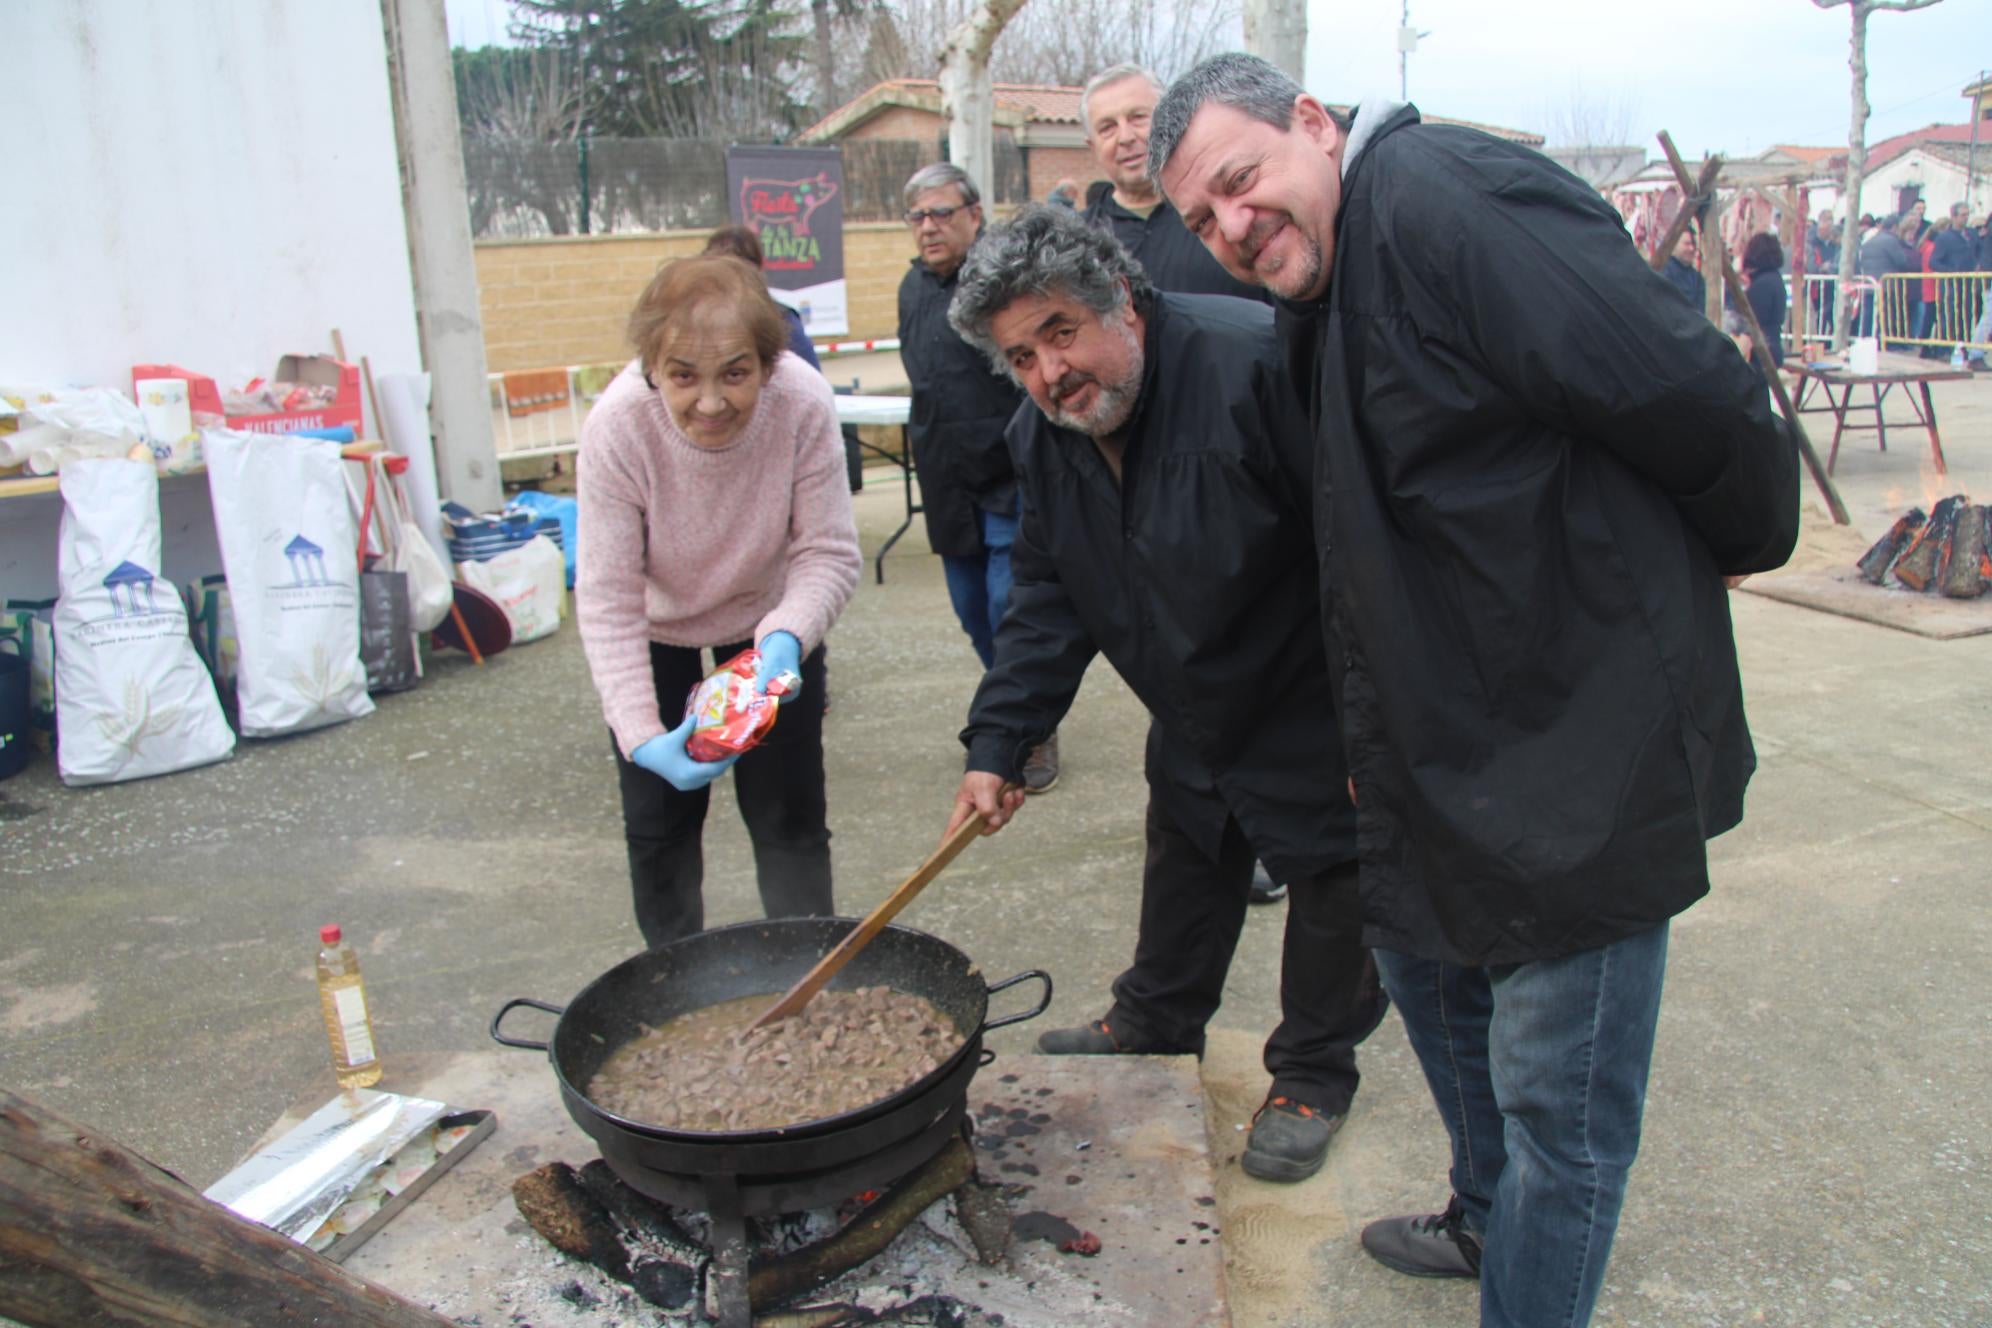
662 1254
1948 551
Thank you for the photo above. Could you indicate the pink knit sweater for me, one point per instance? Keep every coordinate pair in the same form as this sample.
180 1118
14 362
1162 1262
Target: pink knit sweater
693 546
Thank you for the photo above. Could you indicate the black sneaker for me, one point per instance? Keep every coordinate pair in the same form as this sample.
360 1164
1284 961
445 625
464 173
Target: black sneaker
1438 1245
1265 890
1289 1140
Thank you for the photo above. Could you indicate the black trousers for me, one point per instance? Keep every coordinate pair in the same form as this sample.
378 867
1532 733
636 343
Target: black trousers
779 786
1192 911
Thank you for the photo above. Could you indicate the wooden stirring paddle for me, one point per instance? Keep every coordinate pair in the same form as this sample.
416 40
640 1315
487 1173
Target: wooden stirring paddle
860 936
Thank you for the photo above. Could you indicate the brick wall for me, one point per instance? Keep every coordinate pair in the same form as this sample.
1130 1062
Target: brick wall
1047 166
550 302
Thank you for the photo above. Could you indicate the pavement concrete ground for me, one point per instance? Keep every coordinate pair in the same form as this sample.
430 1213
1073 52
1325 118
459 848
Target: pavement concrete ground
1816 1141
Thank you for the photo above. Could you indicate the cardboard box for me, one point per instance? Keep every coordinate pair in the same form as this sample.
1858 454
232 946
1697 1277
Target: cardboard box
318 370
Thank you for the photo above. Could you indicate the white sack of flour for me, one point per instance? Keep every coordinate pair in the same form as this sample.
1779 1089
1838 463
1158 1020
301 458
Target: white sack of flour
132 697
288 541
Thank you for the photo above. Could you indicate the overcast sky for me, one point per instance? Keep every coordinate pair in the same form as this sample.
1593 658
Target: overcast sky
1732 76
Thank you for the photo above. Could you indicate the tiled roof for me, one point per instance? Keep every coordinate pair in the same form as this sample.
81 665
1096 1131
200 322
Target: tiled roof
1035 102
1809 156
1889 149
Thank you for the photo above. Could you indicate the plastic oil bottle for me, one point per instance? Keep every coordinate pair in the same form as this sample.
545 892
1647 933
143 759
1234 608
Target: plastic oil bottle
343 999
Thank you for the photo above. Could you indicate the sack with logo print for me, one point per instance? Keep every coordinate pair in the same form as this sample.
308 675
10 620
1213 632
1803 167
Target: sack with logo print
131 697
288 541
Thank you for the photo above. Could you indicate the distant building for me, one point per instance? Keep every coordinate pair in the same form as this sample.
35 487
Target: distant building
1929 164
1038 122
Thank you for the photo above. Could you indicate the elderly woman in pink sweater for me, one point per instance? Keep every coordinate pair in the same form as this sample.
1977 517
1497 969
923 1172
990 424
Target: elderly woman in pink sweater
716 515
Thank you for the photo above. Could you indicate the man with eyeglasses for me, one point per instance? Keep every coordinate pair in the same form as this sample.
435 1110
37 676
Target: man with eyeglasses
968 490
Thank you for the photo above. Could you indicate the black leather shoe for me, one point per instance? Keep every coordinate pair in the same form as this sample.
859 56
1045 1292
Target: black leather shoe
1438 1245
1265 890
1289 1140
1100 1038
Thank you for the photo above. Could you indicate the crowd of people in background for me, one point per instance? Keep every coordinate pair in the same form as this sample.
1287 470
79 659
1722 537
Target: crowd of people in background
1929 316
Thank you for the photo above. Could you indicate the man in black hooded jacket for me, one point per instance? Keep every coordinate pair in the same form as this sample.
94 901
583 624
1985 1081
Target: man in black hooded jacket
1163 528
960 408
1534 469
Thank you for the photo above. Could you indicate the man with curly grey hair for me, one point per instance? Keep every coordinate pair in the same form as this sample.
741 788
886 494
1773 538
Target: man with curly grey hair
1533 470
1163 527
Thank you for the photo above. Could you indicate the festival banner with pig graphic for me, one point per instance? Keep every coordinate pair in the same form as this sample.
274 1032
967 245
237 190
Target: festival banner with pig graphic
793 199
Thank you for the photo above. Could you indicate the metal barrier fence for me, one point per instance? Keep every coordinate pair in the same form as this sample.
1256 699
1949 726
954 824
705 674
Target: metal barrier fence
1894 308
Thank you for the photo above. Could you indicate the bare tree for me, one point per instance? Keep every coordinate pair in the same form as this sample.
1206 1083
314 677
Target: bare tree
968 102
826 99
1857 136
1057 42
1589 120
1277 31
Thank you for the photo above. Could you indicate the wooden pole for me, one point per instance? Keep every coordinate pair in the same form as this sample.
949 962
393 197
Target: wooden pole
1761 351
1685 214
93 1234
861 935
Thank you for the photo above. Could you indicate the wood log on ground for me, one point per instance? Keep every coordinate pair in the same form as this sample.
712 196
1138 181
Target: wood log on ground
554 1204
1874 564
639 1214
1962 555
1918 564
986 1216
864 1236
91 1233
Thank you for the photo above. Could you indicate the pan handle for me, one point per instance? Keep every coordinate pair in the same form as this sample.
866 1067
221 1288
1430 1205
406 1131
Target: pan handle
1044 1003
512 1005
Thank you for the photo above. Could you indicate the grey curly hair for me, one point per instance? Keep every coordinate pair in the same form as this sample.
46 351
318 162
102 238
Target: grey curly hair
1043 251
1243 82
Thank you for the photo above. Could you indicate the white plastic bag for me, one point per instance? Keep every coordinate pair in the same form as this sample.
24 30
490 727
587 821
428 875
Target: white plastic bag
132 698
429 593
288 544
529 581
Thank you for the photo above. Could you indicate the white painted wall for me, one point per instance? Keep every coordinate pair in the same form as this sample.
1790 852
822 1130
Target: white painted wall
1942 182
210 183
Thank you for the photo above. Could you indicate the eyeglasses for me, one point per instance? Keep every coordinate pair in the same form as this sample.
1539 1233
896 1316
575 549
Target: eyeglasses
941 214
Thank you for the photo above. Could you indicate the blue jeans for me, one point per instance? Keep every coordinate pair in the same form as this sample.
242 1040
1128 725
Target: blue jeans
1539 1072
979 586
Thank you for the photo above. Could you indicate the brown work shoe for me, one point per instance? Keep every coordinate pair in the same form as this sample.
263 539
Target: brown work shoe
1041 767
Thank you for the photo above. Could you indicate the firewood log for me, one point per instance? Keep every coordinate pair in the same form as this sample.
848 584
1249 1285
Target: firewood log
554 1204
1959 574
1917 566
1874 564
790 1275
92 1233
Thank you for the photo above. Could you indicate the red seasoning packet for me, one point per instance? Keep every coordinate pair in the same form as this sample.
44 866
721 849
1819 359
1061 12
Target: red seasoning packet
728 717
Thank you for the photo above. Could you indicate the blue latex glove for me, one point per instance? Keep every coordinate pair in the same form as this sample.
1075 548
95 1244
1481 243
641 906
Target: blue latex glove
780 652
665 757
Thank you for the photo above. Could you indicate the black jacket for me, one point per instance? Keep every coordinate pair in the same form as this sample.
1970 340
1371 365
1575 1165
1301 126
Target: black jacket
960 407
1766 293
1196 577
1534 465
1174 259
1687 280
